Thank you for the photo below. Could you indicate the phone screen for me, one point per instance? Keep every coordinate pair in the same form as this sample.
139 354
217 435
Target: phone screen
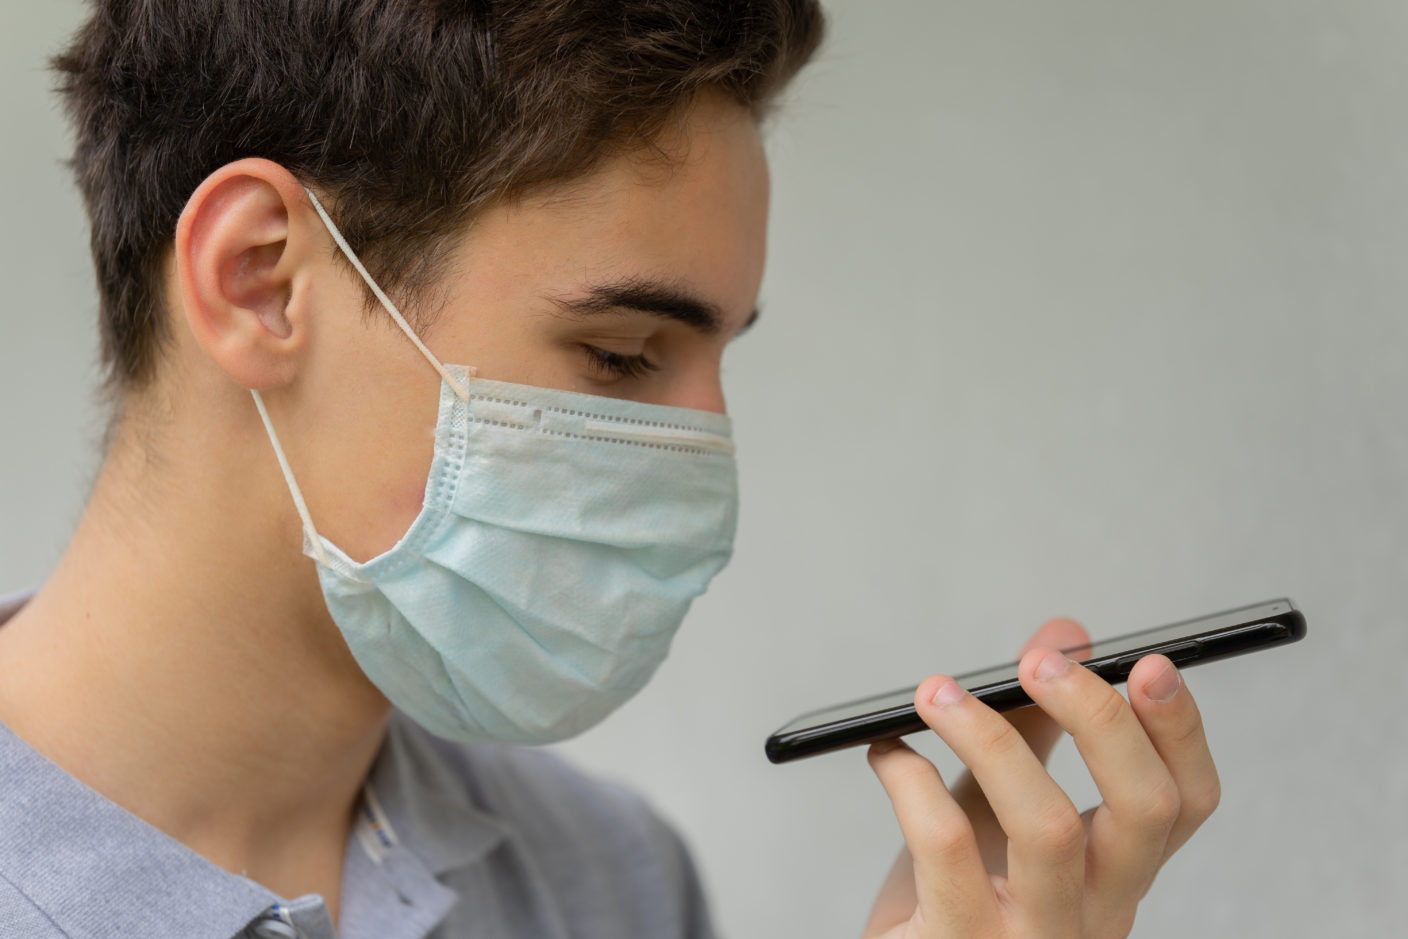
1187 642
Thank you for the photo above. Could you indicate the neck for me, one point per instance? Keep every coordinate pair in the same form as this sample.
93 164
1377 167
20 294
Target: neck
180 661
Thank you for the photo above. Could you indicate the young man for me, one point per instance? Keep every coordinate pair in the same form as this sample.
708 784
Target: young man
414 314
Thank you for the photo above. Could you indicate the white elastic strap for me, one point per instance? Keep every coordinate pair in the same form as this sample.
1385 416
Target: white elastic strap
293 490
460 392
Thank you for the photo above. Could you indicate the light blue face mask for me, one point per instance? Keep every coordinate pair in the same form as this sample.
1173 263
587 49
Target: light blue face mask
562 538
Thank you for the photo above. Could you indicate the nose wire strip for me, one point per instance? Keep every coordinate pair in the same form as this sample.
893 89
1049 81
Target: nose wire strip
460 392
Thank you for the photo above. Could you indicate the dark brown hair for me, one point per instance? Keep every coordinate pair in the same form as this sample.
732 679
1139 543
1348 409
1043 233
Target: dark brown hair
424 110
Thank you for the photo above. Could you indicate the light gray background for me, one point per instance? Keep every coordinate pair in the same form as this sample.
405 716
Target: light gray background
1078 307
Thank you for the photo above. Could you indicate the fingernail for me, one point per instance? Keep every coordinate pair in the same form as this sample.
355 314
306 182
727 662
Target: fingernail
1165 685
1054 664
950 692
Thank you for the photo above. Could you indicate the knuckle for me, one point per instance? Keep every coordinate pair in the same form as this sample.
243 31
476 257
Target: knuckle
1162 805
947 838
999 739
1108 711
1202 800
1058 830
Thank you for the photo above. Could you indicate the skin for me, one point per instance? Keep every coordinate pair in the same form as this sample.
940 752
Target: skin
1006 853
187 562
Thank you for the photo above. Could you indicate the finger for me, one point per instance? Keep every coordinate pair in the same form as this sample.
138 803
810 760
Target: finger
951 885
1039 731
1169 715
1129 830
1036 727
1041 734
1045 851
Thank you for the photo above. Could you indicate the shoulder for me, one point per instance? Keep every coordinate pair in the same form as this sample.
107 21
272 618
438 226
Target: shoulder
593 841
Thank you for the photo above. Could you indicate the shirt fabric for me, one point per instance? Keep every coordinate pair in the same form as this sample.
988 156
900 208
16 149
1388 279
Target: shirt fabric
453 841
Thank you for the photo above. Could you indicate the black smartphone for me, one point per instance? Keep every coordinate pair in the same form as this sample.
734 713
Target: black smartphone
1190 642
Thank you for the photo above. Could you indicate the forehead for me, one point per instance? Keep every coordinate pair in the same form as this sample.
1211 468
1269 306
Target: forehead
709 152
692 210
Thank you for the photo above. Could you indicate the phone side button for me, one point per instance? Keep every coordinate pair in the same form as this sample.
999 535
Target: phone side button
1177 654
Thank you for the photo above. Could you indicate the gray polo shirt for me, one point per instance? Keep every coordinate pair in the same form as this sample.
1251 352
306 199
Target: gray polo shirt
452 841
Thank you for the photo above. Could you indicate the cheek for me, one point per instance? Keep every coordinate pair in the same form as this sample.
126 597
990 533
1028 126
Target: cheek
366 461
392 500
405 502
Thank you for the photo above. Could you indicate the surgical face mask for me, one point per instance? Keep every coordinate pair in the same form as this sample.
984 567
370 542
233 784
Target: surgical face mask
561 540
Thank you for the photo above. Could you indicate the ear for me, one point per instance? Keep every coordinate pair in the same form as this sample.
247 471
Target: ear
242 246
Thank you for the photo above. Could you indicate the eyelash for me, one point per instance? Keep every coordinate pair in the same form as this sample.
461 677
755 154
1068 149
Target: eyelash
615 365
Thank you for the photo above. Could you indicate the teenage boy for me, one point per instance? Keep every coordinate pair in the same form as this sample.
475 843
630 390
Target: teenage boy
413 313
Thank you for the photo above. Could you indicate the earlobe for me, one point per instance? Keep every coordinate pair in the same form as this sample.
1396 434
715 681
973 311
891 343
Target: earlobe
236 270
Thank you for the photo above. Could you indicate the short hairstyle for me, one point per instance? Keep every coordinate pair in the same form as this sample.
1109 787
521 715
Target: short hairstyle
411 114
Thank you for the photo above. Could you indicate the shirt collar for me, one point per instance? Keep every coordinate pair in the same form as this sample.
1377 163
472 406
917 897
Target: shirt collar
95 869
421 785
98 870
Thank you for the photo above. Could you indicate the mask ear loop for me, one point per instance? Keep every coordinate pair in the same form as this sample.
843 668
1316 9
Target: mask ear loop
460 391
309 531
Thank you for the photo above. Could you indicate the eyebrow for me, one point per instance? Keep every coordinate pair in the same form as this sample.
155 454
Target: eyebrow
656 298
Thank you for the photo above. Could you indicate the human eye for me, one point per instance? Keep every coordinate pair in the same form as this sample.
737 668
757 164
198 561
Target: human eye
612 366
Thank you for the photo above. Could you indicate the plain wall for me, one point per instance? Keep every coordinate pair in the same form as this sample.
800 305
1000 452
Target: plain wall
1089 308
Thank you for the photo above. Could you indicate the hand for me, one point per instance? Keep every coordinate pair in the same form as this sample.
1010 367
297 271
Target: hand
1006 853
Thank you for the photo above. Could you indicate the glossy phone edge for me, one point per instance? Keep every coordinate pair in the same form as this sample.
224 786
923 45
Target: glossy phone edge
1258 632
